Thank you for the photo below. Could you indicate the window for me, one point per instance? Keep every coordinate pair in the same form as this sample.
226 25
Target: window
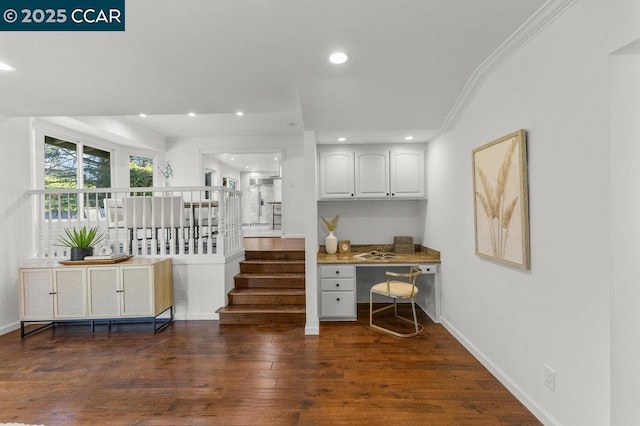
60 164
140 173
70 165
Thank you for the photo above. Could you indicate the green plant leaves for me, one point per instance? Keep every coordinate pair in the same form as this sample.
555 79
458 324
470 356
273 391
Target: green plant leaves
83 238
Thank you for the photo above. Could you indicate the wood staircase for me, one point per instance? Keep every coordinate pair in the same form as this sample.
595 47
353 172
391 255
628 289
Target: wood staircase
270 289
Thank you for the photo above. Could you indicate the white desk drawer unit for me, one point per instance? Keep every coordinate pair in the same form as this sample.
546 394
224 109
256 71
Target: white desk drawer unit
337 292
338 288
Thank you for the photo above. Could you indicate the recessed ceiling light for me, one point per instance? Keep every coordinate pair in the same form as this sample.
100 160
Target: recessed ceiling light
341 139
239 113
253 170
192 114
408 138
246 167
6 67
275 158
338 58
232 159
143 115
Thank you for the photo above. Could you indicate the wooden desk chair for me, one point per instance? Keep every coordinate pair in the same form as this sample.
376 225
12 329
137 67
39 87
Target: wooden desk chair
399 285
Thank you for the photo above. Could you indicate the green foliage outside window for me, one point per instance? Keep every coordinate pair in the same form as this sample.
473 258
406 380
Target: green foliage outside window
140 173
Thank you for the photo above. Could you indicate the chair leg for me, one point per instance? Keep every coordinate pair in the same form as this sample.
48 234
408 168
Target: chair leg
418 327
370 308
415 318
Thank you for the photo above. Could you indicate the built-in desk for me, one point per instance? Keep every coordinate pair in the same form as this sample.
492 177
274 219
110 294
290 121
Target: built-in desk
340 275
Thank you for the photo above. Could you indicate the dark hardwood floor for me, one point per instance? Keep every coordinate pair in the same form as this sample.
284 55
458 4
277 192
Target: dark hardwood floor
203 373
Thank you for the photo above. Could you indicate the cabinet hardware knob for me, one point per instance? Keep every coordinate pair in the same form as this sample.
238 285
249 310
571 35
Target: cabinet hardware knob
337 299
337 272
337 284
387 194
393 194
352 195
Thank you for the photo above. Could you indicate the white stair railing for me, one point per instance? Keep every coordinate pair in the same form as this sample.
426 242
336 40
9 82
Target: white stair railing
141 221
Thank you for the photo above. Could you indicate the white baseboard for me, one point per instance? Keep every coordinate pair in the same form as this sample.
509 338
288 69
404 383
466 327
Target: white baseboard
312 330
9 328
292 236
522 396
196 317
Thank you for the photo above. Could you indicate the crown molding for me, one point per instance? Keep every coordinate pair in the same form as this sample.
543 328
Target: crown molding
545 15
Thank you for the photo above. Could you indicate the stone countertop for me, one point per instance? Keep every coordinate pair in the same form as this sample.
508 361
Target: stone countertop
422 255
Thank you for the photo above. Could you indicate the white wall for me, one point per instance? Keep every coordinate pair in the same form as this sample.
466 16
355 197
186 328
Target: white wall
373 221
556 87
625 238
15 219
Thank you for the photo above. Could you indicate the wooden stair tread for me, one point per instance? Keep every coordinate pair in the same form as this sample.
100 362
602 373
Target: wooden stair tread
275 275
278 309
274 261
267 291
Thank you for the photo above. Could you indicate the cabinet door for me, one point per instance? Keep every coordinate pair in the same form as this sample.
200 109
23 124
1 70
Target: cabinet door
372 174
408 177
137 292
70 293
36 291
336 175
104 291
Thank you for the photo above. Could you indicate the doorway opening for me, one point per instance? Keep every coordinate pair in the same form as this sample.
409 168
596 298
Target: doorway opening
258 176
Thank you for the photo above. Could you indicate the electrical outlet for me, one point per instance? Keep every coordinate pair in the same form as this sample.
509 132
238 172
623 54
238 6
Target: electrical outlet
549 378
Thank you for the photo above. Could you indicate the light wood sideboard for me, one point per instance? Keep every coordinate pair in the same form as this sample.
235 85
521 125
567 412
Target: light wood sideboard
137 289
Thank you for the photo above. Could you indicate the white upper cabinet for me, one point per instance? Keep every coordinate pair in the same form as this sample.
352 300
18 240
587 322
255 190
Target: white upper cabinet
408 176
336 175
372 174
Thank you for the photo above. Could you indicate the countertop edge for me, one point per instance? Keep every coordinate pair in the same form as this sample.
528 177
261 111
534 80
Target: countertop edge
423 254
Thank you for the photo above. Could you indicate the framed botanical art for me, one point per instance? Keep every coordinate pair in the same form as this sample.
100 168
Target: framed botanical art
501 201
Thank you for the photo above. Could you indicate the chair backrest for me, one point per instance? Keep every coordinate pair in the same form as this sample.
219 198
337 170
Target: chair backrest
168 212
137 212
408 277
93 214
113 209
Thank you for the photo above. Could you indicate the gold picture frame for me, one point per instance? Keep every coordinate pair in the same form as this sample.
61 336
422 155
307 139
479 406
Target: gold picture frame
501 200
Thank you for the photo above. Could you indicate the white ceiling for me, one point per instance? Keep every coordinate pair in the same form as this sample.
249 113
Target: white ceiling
410 60
243 162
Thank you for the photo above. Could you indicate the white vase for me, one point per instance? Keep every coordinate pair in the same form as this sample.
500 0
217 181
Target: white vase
331 243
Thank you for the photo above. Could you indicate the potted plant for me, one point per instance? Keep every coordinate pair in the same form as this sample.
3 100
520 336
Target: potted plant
330 241
81 241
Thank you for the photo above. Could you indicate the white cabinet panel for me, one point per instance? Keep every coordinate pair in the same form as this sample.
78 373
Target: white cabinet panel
336 175
338 304
70 293
137 292
372 174
336 271
408 177
36 291
104 294
337 284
